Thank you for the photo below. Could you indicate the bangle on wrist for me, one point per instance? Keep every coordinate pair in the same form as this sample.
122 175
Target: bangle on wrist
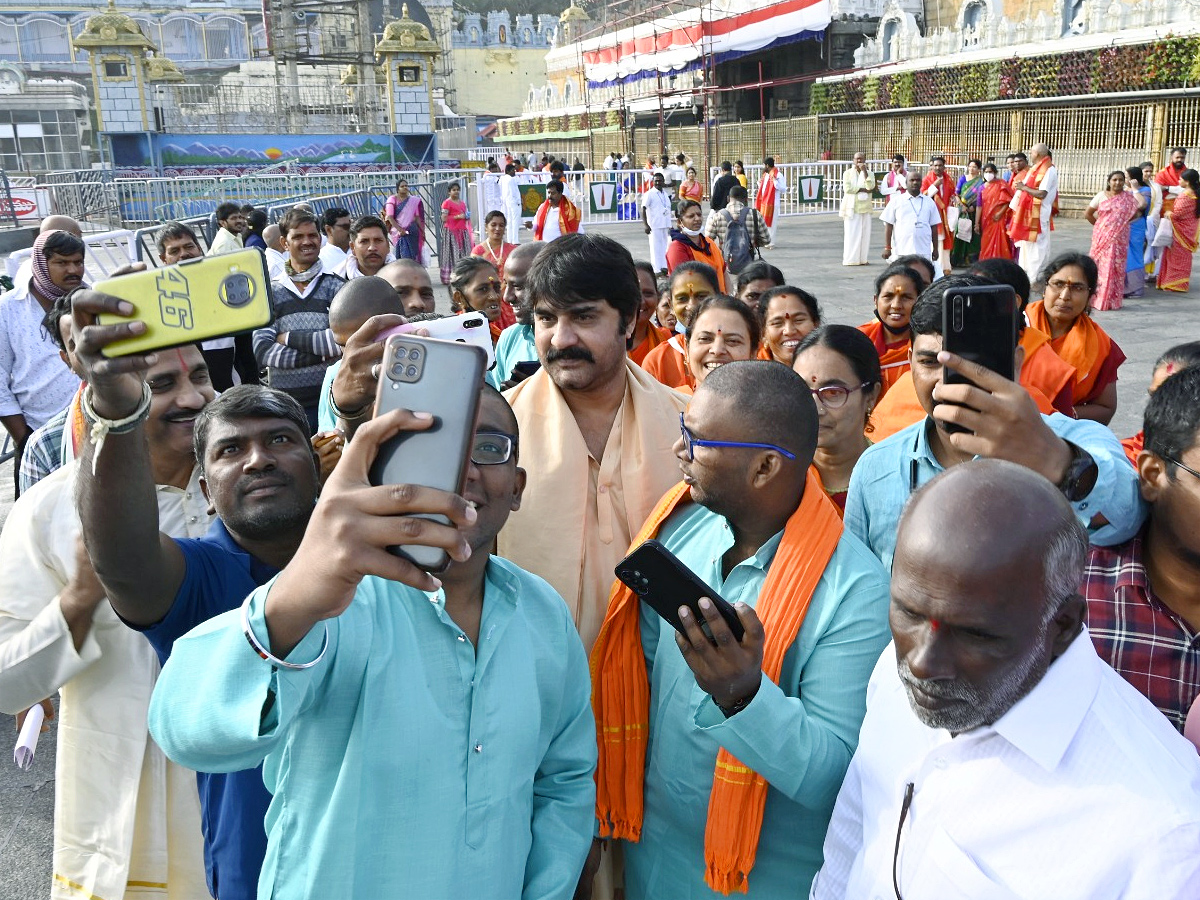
266 654
100 427
359 413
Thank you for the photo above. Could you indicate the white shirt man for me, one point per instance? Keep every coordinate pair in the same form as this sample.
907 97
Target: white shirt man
510 205
656 213
1082 789
914 220
893 185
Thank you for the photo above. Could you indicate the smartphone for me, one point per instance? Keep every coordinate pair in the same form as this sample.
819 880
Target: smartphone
980 324
194 300
439 377
525 368
465 328
662 582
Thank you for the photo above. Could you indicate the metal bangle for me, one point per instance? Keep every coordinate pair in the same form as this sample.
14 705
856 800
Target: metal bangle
360 413
266 654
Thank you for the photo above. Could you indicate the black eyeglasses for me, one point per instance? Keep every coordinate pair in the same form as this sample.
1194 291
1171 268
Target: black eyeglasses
690 442
491 448
1187 469
834 396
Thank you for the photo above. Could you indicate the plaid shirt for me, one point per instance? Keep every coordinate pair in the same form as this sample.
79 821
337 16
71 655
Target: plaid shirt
1149 645
43 451
717 227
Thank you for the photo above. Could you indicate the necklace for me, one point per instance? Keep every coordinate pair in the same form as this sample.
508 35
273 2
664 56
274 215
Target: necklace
493 254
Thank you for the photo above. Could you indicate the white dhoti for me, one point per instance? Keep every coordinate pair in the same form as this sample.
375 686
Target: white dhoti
856 239
1032 255
660 238
512 219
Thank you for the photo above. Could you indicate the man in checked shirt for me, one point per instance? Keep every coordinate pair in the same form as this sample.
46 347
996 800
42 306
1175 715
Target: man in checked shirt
1143 596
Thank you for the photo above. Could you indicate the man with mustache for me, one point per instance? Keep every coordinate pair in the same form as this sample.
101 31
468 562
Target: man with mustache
1000 756
910 222
1082 457
34 384
368 251
1167 179
124 815
601 429
257 472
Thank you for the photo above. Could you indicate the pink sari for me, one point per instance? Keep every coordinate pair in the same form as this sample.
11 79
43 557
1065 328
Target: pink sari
408 240
1110 246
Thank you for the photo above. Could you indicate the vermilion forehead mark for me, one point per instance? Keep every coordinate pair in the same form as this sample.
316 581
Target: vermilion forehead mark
182 363
935 625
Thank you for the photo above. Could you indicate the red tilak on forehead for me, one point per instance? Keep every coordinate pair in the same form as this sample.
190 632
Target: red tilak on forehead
182 363
934 624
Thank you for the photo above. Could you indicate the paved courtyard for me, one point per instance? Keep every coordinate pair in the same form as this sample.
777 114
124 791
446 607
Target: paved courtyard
808 251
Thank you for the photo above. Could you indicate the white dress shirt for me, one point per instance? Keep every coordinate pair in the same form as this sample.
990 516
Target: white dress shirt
34 381
275 263
658 208
913 220
332 256
1081 790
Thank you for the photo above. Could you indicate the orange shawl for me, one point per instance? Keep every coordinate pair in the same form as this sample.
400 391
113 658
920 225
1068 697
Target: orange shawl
568 217
893 359
1047 371
668 363
621 690
942 200
1133 447
1085 347
764 197
1027 217
654 338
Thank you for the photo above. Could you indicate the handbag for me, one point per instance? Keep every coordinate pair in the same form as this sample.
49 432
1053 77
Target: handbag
965 230
952 219
1164 236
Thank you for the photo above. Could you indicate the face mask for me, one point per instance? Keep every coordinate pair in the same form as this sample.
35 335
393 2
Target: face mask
989 176
689 231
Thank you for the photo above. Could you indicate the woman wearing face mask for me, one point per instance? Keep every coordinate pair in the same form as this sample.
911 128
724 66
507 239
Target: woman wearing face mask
787 314
689 243
992 216
723 330
841 368
896 290
691 284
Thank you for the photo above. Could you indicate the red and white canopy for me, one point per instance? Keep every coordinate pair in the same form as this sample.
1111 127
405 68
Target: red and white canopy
672 42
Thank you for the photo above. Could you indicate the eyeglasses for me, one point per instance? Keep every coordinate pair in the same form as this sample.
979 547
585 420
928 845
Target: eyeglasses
908 796
834 396
1187 469
491 448
1067 287
690 442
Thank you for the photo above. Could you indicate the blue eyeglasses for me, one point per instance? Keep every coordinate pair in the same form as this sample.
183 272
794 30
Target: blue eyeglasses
690 442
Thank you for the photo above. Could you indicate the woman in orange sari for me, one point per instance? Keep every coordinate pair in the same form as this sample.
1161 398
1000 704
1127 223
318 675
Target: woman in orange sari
475 286
1175 274
896 290
992 216
1064 314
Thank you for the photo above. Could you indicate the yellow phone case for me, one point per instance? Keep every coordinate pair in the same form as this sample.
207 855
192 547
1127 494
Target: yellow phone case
195 300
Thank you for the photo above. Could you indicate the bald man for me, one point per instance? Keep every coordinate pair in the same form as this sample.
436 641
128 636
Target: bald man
274 252
787 699
516 342
411 282
1034 202
1000 757
357 302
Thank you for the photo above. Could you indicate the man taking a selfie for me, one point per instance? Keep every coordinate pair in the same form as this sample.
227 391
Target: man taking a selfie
721 758
1084 459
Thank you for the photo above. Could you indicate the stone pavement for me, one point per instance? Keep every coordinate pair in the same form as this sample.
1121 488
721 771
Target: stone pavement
808 250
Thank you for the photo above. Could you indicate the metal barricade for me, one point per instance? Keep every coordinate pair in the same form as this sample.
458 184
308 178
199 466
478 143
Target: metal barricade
106 252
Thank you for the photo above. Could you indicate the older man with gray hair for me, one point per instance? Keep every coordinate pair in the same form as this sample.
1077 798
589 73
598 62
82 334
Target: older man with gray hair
1000 757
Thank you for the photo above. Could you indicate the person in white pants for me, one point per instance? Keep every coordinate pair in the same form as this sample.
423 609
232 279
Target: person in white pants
656 216
510 203
857 187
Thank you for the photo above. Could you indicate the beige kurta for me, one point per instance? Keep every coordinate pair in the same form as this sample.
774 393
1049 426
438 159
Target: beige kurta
126 819
579 514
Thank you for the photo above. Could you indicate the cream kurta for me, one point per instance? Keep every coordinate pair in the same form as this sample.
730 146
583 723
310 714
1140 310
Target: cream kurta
579 514
124 815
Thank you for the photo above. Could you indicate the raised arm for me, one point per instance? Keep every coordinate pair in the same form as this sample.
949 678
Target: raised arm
140 568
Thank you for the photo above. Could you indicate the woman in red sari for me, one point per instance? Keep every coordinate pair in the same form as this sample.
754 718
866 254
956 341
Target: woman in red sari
1111 212
992 216
1176 270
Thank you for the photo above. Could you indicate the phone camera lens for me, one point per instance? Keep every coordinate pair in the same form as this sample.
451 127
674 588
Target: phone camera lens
401 353
414 354
411 372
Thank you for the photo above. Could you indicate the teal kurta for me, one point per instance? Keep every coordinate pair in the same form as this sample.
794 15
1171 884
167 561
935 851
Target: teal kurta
799 735
406 763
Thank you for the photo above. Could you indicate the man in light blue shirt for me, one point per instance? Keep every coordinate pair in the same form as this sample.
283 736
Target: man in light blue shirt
516 342
433 743
1082 458
798 734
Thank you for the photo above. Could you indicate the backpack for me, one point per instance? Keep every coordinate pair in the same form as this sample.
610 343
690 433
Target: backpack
738 249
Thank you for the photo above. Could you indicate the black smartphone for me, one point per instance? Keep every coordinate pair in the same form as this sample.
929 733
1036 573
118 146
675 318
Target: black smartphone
525 368
439 377
661 581
980 324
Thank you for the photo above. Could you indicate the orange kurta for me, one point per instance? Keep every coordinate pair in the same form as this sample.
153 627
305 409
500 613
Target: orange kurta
668 363
893 358
655 337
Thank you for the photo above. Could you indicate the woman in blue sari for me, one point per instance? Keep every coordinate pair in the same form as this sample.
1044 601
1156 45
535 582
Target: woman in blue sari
1135 261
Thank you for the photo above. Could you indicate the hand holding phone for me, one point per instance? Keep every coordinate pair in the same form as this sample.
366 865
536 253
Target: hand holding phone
979 323
665 584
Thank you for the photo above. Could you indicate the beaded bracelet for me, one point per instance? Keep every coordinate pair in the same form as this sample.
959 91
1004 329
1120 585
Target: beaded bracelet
266 654
102 427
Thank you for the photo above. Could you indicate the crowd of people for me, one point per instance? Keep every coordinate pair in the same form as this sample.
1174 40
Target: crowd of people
967 611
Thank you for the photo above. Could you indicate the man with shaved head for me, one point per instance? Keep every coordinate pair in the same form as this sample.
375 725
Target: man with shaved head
411 282
1034 203
516 342
999 756
777 711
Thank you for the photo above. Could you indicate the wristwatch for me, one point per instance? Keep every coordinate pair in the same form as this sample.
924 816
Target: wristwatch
737 707
1080 476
